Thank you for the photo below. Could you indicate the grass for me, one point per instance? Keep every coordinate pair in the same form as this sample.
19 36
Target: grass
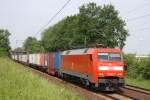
138 82
19 84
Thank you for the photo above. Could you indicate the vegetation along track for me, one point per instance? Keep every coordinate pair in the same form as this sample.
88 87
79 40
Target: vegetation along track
123 94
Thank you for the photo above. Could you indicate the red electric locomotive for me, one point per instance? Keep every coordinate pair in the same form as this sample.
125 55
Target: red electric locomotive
101 67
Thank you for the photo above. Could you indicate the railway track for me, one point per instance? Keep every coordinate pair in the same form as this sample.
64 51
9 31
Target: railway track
147 91
136 92
125 93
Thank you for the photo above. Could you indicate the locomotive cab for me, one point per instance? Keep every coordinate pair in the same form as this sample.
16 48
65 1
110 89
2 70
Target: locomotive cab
110 69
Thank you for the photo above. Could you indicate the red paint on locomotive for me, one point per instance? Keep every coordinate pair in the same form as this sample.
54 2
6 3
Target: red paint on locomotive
50 64
88 66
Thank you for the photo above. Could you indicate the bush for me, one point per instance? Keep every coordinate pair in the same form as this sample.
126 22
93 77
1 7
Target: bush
3 52
145 68
137 68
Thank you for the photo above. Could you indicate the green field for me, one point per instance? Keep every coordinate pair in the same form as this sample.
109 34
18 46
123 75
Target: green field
138 82
19 84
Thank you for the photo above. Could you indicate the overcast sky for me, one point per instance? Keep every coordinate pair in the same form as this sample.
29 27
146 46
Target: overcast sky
24 18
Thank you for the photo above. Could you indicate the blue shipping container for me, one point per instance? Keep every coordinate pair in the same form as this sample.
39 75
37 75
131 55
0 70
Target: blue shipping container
46 59
57 60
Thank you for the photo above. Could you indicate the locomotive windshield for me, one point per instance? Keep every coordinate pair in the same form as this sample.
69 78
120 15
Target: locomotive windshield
109 57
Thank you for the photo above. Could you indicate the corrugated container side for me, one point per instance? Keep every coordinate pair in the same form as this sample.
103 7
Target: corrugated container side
42 59
15 57
57 60
30 58
24 58
46 59
38 59
34 58
50 64
20 57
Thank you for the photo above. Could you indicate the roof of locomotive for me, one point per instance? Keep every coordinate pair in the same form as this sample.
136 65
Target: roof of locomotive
89 51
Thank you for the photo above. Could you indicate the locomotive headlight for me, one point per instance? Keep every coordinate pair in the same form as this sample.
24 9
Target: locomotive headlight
115 68
103 68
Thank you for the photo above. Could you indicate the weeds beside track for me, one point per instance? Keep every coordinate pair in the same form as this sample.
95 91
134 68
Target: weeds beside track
16 83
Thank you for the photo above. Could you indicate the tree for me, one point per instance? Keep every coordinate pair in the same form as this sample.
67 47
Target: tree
145 68
133 66
101 25
92 25
32 45
4 42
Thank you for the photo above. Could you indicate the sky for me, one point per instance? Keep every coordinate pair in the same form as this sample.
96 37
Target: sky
24 18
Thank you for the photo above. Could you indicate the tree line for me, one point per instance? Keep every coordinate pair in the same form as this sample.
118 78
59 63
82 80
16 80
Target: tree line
4 42
93 24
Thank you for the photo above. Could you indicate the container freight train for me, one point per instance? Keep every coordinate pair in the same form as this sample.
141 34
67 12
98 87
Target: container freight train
102 68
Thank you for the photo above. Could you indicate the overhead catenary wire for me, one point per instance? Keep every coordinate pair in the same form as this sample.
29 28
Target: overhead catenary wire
52 18
137 8
139 17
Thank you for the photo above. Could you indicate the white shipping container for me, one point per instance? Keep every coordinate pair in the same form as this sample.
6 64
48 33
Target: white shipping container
16 57
34 59
24 58
38 59
20 57
46 63
31 58
45 59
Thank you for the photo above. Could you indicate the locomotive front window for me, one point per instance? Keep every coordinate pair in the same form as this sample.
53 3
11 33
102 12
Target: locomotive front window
115 57
103 56
109 57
